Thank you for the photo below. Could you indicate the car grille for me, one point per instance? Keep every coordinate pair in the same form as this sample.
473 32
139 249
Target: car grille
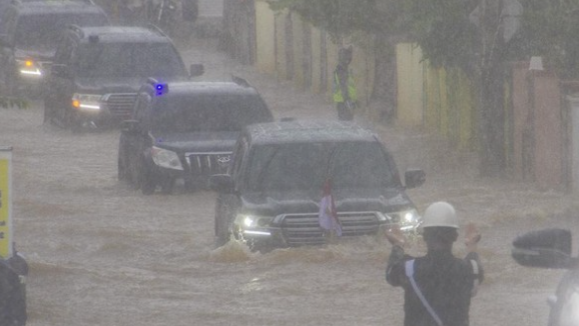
304 229
121 104
208 163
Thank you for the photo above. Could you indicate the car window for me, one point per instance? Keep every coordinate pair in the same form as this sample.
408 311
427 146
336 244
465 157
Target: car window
305 166
209 113
41 31
129 60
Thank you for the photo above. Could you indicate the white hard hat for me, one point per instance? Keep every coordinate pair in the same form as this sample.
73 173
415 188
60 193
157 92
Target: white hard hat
440 214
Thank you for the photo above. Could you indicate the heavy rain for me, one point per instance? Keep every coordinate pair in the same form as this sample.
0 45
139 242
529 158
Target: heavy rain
101 252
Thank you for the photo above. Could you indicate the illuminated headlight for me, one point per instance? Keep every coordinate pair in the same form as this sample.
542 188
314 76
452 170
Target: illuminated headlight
166 159
408 220
86 101
29 68
254 224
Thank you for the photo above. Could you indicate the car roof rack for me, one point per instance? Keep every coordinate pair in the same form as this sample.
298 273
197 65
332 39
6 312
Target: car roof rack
240 81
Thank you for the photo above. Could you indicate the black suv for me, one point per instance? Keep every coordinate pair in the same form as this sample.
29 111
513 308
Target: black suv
272 193
28 39
97 72
185 130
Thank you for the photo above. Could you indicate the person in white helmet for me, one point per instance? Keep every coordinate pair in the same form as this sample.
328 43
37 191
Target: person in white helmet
438 286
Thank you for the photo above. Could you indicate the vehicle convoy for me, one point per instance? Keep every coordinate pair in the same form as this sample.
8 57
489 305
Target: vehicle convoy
551 248
28 37
185 130
97 72
269 197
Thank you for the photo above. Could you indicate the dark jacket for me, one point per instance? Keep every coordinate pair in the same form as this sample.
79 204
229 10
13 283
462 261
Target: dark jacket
447 283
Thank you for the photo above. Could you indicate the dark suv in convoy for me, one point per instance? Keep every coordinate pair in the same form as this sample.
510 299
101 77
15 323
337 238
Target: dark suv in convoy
271 195
186 131
97 72
28 37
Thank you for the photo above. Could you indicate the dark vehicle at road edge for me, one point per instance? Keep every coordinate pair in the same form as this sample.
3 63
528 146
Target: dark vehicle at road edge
551 248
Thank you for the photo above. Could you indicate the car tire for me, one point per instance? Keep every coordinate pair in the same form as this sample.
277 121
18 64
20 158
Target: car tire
122 173
145 181
167 186
222 233
10 85
71 120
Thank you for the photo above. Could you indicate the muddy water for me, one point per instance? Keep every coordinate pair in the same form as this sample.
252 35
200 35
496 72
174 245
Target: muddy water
103 254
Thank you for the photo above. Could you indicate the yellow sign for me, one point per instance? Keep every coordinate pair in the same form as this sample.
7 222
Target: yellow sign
5 202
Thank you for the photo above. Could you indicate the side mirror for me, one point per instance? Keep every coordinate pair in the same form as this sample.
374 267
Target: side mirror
130 127
221 183
60 70
196 70
547 248
414 178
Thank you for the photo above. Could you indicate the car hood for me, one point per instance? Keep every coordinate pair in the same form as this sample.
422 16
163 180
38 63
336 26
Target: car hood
106 85
346 200
109 85
38 54
196 141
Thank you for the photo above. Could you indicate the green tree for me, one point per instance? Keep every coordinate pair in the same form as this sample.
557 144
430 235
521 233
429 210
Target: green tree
472 35
339 18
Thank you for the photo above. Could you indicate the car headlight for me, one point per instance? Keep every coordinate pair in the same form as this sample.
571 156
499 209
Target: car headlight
408 219
251 221
166 158
86 101
29 68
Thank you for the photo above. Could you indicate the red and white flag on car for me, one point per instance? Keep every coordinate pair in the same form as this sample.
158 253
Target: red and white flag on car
328 215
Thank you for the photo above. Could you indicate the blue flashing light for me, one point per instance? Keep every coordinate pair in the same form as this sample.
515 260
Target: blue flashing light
161 89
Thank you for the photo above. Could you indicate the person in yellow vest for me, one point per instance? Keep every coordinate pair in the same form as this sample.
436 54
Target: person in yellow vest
344 87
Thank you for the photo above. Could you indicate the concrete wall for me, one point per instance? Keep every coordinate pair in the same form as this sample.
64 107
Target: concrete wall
539 133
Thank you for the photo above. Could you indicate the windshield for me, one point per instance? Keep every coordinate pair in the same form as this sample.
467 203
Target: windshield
129 60
195 113
41 31
305 166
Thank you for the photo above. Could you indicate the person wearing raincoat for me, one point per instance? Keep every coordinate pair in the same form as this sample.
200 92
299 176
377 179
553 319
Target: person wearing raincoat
438 286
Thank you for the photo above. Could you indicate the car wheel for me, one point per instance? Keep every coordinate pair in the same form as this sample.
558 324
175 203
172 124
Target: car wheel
145 181
122 173
71 120
222 233
167 185
10 86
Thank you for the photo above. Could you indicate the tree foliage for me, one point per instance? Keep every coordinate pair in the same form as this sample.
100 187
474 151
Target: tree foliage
443 31
339 18
549 29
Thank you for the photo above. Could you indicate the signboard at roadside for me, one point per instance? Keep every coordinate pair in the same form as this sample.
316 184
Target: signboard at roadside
5 202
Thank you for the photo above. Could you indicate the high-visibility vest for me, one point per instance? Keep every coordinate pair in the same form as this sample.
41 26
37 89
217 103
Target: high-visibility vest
338 98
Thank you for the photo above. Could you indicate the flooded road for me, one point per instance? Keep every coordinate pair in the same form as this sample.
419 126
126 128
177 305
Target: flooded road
101 253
